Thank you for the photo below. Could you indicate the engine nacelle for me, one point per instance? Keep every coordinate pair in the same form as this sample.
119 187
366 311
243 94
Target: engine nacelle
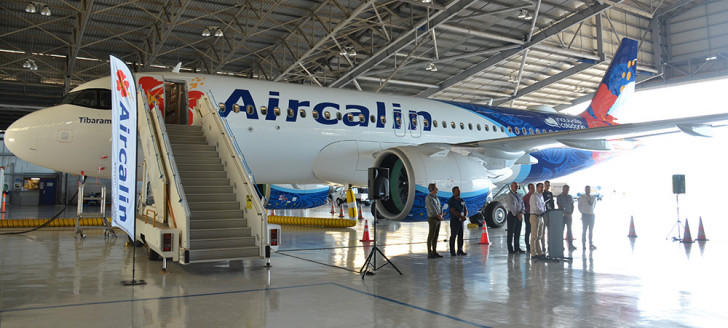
413 168
286 196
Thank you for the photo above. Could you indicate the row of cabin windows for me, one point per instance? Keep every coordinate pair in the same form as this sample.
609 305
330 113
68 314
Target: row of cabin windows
339 116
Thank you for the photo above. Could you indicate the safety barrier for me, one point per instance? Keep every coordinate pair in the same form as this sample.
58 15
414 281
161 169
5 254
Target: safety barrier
317 222
34 223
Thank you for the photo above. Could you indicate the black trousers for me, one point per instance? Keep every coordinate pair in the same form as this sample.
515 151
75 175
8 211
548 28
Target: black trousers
514 233
456 230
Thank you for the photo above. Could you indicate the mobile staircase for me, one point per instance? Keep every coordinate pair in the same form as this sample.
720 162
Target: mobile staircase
198 201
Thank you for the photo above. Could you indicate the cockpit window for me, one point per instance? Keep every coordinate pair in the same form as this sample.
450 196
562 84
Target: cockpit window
93 98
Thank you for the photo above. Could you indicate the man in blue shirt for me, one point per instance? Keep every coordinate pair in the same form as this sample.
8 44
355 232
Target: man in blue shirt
458 215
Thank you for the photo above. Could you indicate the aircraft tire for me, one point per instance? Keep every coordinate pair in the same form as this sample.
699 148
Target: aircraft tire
495 215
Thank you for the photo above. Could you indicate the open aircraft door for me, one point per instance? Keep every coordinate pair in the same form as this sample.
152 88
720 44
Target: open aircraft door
169 96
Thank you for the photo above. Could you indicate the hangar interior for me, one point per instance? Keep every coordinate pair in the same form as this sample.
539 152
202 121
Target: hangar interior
520 54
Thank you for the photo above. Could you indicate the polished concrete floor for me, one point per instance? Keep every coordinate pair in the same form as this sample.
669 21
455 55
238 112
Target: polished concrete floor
50 279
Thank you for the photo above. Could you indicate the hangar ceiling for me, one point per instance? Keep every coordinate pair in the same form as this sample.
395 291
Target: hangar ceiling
513 53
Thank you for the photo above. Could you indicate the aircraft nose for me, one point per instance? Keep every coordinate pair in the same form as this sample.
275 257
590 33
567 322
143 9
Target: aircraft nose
21 138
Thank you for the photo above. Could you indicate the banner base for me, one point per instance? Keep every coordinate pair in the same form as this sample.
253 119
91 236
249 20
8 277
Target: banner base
133 282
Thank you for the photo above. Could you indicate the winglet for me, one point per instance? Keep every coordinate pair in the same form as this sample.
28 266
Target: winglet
177 67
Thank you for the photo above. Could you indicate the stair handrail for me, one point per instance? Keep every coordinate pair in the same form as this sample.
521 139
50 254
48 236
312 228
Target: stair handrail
229 150
146 121
233 140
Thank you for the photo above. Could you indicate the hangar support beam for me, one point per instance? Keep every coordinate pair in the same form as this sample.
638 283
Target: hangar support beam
162 32
453 8
577 17
79 29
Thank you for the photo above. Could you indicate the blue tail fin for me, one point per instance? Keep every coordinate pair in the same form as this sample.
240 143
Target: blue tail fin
616 87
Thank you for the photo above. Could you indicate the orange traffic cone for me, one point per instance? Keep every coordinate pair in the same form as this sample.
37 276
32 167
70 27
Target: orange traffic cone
701 232
632 233
686 236
361 217
333 211
365 238
484 235
341 211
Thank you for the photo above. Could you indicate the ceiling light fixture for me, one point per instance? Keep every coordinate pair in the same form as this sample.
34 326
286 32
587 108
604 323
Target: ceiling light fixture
431 67
30 64
522 13
26 64
711 58
348 51
426 1
45 11
528 17
218 33
30 8
206 32
212 30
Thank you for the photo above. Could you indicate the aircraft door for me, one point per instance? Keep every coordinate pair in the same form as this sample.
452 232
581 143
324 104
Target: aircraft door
399 124
175 96
47 188
415 123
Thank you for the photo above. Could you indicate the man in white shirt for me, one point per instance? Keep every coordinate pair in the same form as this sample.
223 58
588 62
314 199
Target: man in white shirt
434 218
587 203
537 208
514 205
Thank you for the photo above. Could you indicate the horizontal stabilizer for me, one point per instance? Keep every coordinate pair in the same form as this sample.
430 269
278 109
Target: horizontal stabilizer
587 144
698 130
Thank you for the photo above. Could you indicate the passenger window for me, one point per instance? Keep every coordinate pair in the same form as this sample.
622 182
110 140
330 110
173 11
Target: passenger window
426 123
362 119
444 125
327 115
470 126
291 112
487 128
510 129
350 117
277 111
263 110
434 123
372 118
503 129
538 131
495 128
383 119
414 122
478 126
399 120
452 124
250 109
315 115
530 130
339 116
302 112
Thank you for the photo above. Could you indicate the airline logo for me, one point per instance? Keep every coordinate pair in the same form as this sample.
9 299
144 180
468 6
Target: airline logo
241 102
571 123
123 146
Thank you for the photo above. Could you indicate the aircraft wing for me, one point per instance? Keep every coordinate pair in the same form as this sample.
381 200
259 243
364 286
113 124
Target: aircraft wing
598 139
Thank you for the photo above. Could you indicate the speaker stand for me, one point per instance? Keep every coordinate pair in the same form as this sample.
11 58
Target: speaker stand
678 224
371 260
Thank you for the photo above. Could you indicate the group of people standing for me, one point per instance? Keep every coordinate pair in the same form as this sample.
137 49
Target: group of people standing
533 208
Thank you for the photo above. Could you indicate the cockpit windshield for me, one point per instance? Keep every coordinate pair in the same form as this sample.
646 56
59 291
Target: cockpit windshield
92 98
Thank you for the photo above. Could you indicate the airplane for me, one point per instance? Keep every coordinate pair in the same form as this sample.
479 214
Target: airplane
304 135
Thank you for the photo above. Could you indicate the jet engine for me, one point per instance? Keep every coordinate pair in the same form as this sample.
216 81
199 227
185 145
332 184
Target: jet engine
413 168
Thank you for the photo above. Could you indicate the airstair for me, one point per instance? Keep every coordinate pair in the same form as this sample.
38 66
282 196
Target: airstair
198 201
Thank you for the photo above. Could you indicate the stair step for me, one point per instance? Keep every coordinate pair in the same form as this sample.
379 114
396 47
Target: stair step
197 159
205 181
191 198
187 140
216 214
198 167
219 233
221 243
213 205
218 224
223 254
180 127
208 189
193 147
203 174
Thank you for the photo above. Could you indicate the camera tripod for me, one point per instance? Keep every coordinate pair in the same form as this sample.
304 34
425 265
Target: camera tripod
678 224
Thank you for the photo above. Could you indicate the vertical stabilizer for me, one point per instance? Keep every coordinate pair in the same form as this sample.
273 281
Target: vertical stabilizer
616 88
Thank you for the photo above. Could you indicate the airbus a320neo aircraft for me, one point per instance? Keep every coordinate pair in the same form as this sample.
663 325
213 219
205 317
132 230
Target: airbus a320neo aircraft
294 134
